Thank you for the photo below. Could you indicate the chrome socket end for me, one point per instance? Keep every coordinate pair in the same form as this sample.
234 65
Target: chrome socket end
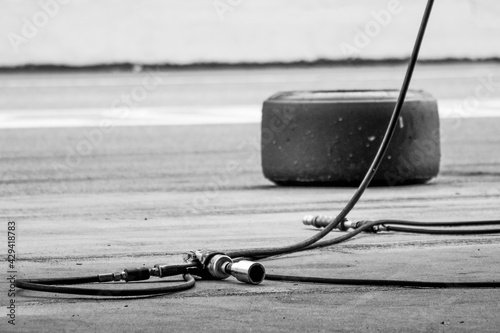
217 265
247 271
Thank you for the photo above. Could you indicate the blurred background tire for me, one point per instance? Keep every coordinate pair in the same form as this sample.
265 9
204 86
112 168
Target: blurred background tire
331 137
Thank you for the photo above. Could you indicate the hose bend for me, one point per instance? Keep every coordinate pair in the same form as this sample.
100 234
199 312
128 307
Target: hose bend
54 285
259 252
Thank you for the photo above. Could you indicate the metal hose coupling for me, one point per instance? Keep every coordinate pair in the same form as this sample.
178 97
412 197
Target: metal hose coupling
320 221
131 274
217 265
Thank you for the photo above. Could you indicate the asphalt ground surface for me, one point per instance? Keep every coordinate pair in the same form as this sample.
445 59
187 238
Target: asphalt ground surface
145 194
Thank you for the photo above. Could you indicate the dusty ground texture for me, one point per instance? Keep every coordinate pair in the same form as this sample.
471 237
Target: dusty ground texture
147 194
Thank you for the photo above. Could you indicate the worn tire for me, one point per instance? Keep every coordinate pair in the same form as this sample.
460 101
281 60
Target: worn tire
331 137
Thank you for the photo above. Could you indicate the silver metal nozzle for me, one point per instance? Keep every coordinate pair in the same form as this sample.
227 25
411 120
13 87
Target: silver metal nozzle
247 271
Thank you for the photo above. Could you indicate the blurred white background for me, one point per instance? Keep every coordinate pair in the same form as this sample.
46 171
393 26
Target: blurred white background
84 32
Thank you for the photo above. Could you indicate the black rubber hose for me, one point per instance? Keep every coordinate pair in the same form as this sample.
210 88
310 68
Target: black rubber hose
256 252
52 285
371 282
387 223
440 224
344 237
56 281
368 226
443 231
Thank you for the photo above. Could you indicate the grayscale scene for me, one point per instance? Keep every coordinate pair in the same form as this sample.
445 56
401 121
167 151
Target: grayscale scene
250 165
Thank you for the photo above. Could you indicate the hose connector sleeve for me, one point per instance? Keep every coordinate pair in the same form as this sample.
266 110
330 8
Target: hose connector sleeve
108 277
136 274
170 270
373 229
131 274
379 227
